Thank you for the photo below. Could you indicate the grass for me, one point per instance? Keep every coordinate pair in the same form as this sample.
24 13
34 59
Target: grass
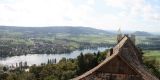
152 55
94 38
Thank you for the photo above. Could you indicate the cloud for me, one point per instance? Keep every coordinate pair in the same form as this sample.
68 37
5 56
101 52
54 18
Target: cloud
91 2
103 14
135 8
43 12
117 3
136 14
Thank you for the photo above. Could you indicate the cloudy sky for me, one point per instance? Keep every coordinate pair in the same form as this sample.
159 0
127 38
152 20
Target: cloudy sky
101 14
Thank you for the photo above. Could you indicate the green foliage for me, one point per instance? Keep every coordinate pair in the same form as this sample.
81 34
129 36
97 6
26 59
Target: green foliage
81 63
152 61
5 68
36 70
64 70
88 61
3 76
152 66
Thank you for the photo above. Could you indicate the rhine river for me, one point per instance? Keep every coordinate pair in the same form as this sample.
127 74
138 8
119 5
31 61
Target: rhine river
43 58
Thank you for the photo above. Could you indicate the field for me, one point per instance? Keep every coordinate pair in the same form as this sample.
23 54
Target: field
155 54
152 55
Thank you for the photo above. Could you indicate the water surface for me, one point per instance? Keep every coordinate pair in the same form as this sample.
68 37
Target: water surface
43 58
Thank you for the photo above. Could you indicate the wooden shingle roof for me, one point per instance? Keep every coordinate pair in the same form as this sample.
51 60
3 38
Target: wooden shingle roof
128 54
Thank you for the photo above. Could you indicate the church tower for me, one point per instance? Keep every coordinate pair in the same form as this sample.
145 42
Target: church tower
119 35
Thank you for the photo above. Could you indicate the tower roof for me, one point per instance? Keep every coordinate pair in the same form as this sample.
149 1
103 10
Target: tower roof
119 31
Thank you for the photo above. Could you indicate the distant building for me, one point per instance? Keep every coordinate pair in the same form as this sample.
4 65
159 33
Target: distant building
120 36
123 62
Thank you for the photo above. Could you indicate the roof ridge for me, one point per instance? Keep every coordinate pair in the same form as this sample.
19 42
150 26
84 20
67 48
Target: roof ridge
128 59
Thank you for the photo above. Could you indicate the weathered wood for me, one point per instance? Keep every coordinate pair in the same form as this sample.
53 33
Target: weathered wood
124 62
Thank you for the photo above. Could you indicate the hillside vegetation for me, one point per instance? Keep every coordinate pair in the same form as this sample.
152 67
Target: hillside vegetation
61 39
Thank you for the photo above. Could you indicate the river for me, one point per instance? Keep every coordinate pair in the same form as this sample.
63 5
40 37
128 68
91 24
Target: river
43 58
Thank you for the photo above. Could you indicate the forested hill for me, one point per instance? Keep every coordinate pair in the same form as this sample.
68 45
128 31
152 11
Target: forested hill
142 33
54 30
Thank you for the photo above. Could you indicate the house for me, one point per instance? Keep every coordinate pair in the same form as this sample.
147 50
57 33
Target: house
123 62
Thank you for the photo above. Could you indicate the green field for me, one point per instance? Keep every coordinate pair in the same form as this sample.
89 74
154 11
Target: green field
150 55
92 38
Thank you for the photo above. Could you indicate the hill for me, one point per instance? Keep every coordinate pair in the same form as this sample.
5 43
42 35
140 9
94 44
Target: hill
53 30
142 33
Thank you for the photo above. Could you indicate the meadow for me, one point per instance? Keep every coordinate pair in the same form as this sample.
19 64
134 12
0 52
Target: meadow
152 55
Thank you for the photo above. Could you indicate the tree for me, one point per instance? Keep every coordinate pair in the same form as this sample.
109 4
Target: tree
152 66
5 68
36 70
3 76
81 64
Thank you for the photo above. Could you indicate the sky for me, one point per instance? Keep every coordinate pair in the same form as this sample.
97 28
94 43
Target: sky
141 15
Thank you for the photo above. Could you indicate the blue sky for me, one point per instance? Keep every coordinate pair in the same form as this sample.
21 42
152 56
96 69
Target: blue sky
143 15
